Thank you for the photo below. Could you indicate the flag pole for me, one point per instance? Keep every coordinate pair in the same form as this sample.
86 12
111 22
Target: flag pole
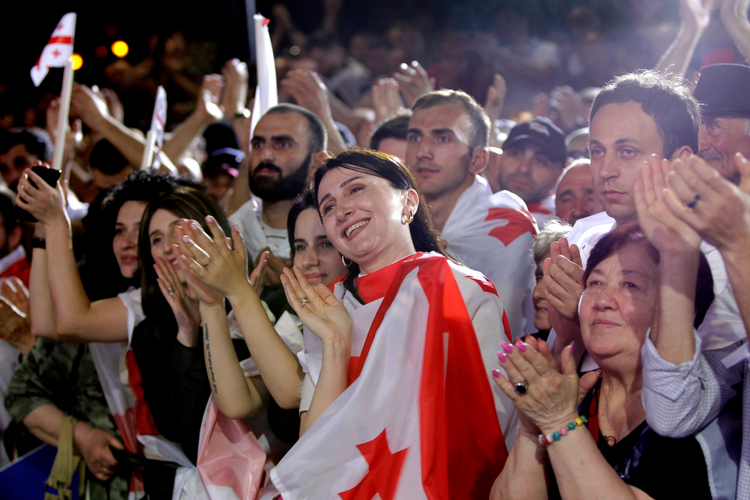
62 118
148 150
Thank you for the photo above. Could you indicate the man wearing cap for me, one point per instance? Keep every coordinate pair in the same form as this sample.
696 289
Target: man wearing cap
446 149
219 172
722 92
533 158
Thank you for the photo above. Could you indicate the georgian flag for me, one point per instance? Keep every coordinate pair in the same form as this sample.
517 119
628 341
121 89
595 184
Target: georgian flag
493 234
58 50
418 420
266 93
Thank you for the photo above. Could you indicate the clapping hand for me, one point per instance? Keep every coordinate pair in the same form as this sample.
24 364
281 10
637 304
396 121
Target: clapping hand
414 82
183 301
317 307
215 264
663 229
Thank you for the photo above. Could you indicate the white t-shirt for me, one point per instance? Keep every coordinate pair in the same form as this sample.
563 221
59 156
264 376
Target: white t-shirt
258 235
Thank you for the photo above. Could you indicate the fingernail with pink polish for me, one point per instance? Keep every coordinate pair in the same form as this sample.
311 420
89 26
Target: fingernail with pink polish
193 226
501 357
496 373
520 346
185 239
506 347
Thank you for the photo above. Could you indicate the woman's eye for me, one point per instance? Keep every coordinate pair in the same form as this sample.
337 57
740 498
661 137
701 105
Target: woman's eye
300 248
119 230
326 244
156 240
356 189
629 284
327 209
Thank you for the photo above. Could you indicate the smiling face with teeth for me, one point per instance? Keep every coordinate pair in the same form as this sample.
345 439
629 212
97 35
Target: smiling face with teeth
362 217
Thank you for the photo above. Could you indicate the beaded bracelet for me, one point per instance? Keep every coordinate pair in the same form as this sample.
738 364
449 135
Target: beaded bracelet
555 436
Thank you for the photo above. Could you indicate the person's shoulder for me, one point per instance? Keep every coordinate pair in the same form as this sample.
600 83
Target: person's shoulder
587 227
471 281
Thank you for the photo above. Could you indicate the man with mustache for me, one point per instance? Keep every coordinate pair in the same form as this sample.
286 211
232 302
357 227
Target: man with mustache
533 158
725 116
446 148
288 143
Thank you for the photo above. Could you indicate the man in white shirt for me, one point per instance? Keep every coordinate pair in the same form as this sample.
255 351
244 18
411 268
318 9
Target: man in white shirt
635 116
446 149
288 143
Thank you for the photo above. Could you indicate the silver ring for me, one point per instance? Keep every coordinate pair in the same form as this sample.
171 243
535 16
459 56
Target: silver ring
106 470
522 387
170 290
304 301
692 203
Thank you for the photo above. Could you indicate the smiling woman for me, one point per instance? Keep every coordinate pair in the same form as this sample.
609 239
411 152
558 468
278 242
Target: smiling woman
368 344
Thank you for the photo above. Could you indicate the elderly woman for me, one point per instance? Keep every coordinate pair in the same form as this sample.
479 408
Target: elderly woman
542 250
618 455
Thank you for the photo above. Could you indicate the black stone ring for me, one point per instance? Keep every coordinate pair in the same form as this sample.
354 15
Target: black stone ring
692 203
522 387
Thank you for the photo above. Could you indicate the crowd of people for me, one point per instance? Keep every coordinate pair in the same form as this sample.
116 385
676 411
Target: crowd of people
384 287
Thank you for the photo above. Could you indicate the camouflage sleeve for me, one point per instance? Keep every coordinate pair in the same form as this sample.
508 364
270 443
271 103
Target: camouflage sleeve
63 375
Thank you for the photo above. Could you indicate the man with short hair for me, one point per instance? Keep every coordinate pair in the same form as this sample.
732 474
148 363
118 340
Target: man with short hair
574 195
635 116
287 145
722 92
533 158
446 149
20 149
390 136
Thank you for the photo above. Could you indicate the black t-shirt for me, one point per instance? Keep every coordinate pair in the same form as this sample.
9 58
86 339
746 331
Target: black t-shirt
663 468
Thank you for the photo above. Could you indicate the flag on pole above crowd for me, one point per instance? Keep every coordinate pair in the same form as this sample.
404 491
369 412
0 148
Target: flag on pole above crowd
58 50
155 136
266 93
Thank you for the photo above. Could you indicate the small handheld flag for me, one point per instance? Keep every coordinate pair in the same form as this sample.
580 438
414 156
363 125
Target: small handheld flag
58 50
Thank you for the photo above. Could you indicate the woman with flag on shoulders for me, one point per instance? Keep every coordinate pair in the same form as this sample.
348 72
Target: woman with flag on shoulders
396 397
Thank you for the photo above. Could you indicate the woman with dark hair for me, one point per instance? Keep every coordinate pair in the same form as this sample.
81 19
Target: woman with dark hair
627 292
395 349
71 316
319 261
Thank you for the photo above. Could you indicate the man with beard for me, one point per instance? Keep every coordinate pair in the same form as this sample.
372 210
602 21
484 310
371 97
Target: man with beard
20 149
533 158
288 143
725 116
446 148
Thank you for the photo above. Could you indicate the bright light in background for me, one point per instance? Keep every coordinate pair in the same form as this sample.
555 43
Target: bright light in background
101 51
120 48
77 61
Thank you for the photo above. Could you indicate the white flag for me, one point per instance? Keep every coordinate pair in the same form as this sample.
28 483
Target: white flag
159 122
266 93
58 50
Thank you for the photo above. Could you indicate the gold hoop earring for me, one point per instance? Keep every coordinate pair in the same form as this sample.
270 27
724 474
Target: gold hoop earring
343 261
407 219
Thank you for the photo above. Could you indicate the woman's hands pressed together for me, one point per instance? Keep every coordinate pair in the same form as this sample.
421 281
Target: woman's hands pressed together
551 398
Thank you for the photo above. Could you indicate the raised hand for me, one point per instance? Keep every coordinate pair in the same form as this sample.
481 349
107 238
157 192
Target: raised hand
44 202
696 13
496 92
88 106
720 213
308 90
212 259
208 98
317 307
386 99
414 82
663 229
181 299
563 279
258 276
15 292
235 75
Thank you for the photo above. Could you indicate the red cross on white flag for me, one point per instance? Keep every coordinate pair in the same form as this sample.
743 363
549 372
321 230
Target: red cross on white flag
58 50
